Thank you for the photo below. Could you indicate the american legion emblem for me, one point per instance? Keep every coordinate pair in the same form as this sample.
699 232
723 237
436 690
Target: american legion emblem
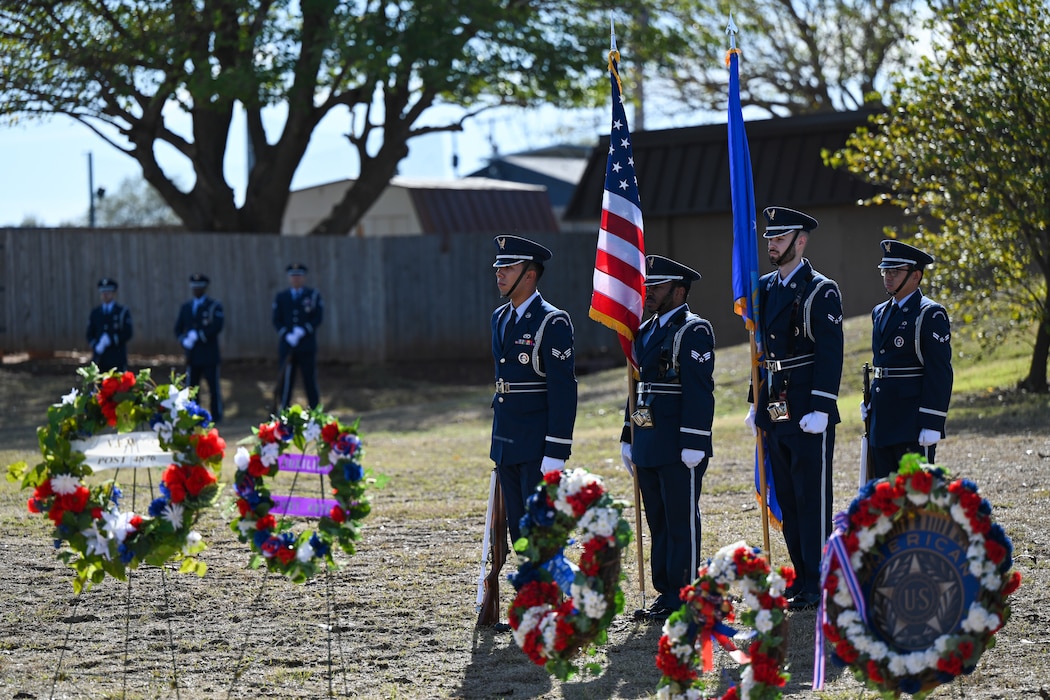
915 581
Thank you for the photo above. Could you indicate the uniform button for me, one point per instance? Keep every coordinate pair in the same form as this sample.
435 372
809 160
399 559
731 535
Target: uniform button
502 360
882 352
877 390
772 354
772 336
500 399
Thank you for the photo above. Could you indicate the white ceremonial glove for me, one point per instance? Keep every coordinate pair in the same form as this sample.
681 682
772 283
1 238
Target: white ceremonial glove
189 340
864 409
691 458
291 338
625 456
814 423
928 437
102 344
298 332
749 419
550 464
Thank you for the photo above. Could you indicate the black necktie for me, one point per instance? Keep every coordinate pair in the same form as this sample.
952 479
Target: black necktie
507 329
887 315
652 331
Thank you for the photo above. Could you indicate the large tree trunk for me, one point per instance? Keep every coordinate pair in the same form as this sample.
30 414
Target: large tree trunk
1036 379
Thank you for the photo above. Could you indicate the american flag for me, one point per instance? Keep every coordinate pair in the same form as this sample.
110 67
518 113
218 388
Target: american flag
619 264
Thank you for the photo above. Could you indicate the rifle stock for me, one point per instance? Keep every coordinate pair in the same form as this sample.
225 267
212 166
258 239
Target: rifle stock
867 466
489 612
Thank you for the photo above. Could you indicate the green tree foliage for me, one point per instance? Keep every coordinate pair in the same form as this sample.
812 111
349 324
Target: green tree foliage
965 150
799 56
128 64
134 204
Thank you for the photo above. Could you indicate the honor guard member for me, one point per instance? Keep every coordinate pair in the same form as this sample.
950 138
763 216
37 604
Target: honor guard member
197 327
297 312
670 443
109 329
534 407
911 346
796 407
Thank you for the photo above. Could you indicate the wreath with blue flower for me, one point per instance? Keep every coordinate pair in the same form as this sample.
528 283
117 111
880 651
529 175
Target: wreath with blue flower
844 620
99 537
690 633
300 556
563 608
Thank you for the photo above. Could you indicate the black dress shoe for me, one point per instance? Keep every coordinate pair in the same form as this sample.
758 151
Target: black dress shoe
501 627
804 601
659 614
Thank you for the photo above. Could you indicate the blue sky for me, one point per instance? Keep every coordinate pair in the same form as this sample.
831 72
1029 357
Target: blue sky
45 173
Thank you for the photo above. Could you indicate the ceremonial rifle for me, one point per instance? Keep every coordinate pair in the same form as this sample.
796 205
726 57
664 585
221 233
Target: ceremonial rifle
493 554
866 466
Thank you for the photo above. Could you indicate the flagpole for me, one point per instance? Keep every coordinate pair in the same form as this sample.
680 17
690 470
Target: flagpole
631 391
748 291
760 452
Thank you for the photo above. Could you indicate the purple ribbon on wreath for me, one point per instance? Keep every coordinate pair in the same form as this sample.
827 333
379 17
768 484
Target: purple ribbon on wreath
835 550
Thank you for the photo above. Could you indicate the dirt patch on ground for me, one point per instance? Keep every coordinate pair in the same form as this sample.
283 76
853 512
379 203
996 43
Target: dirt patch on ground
397 620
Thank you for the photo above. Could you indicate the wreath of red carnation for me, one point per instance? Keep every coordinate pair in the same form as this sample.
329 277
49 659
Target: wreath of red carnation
563 608
689 633
273 543
918 490
99 537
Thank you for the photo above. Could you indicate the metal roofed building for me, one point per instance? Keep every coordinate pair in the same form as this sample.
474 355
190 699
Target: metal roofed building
558 168
415 206
683 183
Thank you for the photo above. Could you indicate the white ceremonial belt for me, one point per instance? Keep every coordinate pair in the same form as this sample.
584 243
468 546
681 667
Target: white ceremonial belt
789 363
898 372
505 387
658 388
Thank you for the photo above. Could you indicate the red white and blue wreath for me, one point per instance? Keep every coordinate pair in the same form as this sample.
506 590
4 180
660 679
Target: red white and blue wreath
689 633
100 537
300 556
563 608
961 584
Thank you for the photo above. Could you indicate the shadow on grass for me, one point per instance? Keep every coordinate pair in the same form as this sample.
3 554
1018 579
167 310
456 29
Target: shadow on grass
999 411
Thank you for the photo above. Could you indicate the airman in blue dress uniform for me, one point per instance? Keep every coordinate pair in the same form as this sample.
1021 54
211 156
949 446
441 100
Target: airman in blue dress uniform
797 405
109 329
297 312
912 350
666 440
534 407
197 327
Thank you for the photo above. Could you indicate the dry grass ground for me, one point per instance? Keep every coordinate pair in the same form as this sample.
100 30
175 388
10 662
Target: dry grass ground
397 620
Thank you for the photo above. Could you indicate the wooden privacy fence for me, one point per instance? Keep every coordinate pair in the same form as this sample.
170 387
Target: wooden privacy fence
386 299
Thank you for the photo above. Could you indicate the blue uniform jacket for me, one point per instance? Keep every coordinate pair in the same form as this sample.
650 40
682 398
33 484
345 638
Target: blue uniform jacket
802 319
117 324
307 312
681 419
534 407
208 323
909 401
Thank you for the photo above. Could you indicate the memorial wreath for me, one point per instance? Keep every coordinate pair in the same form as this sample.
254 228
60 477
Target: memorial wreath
690 632
562 608
101 538
338 448
916 579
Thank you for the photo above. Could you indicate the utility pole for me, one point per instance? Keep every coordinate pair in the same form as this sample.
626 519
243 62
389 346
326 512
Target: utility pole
91 192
